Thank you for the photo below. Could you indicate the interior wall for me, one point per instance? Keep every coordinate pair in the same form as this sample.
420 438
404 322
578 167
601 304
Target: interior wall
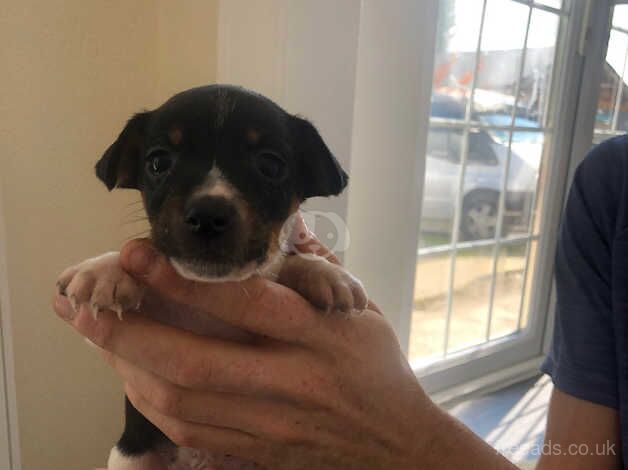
73 72
306 72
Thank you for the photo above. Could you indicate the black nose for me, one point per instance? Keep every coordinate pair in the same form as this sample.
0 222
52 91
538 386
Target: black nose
209 216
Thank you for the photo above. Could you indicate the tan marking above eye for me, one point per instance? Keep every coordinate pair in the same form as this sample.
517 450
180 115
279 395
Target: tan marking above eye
253 136
175 135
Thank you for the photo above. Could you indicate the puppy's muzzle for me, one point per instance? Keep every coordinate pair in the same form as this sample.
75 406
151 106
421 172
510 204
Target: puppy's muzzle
210 217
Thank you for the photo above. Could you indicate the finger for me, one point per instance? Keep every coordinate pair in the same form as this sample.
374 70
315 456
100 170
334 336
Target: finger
198 436
270 419
257 304
183 358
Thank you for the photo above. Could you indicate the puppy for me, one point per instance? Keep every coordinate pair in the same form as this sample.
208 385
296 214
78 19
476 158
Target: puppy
222 171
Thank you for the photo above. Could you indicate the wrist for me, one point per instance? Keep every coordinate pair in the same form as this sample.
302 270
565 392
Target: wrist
446 443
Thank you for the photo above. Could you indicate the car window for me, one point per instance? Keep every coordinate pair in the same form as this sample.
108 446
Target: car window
444 144
437 144
481 149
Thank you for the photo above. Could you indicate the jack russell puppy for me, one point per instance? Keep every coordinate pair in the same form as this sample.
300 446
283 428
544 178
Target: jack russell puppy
222 171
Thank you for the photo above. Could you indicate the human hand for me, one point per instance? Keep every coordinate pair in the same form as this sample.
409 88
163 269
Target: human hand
312 391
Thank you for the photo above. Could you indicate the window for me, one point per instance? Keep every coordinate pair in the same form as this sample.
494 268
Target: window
611 118
490 125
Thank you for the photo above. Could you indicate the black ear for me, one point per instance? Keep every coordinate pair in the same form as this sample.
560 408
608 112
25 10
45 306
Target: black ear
119 166
320 172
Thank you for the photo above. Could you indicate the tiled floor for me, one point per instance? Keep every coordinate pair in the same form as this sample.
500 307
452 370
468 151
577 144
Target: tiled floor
512 420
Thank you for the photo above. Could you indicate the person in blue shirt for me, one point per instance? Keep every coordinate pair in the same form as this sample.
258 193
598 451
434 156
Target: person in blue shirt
320 392
588 361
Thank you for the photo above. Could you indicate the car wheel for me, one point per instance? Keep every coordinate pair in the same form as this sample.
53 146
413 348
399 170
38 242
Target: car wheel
479 216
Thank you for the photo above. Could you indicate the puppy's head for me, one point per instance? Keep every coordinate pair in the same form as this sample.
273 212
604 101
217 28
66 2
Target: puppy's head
221 169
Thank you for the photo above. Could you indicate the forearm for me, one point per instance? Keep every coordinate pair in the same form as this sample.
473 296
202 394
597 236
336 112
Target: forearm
451 445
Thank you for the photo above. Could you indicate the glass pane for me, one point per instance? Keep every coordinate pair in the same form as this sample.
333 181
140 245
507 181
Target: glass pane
508 289
482 185
500 58
528 284
470 297
620 16
608 114
456 44
523 176
442 173
537 70
430 308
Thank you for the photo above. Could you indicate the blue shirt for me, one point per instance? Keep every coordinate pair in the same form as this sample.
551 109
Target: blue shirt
589 354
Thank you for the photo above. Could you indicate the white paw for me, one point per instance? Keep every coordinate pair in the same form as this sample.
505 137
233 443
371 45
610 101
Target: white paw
325 285
102 284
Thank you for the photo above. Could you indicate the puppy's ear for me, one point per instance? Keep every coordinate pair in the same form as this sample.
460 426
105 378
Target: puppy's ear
119 166
320 172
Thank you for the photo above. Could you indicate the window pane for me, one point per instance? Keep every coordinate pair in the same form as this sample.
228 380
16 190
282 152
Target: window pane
523 176
502 44
537 70
456 43
470 297
611 80
430 307
508 289
528 284
620 16
442 173
482 185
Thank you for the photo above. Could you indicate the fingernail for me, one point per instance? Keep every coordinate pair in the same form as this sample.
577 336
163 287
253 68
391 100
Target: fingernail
142 259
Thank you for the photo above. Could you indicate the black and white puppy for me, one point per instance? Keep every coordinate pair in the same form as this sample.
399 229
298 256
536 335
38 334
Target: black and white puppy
221 170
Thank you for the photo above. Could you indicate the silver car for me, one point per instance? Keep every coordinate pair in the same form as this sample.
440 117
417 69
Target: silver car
481 189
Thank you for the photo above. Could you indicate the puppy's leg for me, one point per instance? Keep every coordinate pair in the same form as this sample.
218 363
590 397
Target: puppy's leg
119 461
140 446
325 285
102 284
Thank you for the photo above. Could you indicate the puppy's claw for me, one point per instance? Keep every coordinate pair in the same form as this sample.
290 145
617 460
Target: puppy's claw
118 310
74 303
95 310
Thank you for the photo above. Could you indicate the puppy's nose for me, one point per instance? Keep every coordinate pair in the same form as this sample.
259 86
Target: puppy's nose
209 216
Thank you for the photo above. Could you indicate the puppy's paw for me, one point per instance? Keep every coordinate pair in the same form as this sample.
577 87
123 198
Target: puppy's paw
325 285
102 284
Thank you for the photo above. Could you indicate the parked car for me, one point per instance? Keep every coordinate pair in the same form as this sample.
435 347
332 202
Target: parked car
482 185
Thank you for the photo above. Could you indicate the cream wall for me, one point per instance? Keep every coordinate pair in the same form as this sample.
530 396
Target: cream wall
73 71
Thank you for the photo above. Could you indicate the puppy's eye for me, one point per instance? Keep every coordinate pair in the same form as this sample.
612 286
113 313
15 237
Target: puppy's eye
271 166
159 161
